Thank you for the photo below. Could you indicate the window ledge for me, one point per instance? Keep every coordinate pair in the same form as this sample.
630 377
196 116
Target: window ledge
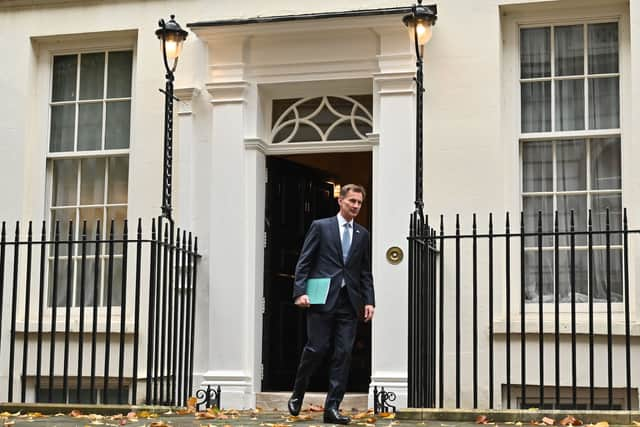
74 326
582 326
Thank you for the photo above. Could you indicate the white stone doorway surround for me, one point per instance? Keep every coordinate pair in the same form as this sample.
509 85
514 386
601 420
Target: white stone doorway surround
250 63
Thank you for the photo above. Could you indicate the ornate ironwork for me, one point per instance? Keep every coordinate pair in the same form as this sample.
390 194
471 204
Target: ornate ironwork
208 398
381 400
327 113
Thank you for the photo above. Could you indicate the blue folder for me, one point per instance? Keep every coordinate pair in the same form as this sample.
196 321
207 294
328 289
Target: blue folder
318 289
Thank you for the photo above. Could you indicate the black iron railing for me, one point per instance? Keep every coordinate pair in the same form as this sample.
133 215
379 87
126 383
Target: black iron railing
92 316
536 299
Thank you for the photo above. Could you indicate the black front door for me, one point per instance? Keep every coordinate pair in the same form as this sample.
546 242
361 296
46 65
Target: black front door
296 195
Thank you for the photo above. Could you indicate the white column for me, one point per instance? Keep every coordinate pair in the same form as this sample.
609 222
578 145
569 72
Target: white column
393 187
230 310
393 194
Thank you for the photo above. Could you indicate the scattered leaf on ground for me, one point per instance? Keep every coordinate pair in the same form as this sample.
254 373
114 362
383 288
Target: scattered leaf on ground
548 421
387 415
570 420
315 408
158 424
637 423
601 424
482 419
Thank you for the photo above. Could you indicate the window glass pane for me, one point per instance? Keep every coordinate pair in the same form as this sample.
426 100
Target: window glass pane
89 275
117 126
577 204
570 104
58 270
604 103
572 165
64 78
533 269
92 76
565 271
90 126
92 215
537 166
113 283
536 107
118 215
599 205
603 48
119 74
603 275
532 206
605 164
569 50
62 217
63 119
118 179
65 182
535 52
92 182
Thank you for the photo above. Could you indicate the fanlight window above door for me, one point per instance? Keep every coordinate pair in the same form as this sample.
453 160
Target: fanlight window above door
322 119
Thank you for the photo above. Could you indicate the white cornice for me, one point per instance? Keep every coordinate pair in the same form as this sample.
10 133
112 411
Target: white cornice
227 92
348 24
185 96
396 83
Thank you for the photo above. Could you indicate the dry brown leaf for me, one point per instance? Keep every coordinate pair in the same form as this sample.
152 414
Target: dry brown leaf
315 408
548 421
570 420
123 421
75 413
371 420
482 419
158 424
387 415
602 424
206 415
36 415
637 423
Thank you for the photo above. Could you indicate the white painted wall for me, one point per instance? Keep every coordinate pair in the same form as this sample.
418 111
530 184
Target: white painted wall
226 77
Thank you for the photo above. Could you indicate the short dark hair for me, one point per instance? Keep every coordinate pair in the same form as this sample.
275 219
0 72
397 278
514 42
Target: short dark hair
353 187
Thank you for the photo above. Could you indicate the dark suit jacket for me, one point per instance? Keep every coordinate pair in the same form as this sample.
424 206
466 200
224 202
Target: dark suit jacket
321 256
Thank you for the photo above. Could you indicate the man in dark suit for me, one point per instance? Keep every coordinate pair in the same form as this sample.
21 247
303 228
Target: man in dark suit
339 249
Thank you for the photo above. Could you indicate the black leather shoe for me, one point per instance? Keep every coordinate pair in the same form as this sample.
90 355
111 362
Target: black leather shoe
294 404
332 416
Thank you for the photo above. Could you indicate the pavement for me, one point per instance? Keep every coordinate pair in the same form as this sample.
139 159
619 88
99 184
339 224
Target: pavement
228 418
34 415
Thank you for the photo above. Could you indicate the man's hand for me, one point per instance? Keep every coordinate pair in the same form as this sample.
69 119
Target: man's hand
302 301
368 312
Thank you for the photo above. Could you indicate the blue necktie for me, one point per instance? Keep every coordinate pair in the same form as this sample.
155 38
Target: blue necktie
346 241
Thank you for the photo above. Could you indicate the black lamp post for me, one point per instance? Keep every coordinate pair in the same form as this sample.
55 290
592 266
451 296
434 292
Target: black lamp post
421 366
419 23
171 37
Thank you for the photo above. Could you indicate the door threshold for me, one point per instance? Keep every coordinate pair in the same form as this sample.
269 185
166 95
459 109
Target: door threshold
277 401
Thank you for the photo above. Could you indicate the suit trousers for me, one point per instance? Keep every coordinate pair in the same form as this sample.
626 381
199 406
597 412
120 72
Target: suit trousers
338 326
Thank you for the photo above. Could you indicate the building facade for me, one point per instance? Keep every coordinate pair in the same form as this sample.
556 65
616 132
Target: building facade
529 106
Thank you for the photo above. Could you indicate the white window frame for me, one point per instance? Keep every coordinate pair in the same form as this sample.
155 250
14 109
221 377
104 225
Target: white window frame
46 48
530 16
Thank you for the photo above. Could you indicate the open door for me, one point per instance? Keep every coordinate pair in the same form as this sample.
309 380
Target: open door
296 195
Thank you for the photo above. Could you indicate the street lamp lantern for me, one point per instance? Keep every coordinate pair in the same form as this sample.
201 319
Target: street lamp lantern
171 37
420 22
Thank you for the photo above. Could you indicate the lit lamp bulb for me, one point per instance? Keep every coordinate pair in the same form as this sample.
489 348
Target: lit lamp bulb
172 49
424 32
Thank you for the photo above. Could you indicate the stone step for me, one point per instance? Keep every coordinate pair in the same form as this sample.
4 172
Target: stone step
270 401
